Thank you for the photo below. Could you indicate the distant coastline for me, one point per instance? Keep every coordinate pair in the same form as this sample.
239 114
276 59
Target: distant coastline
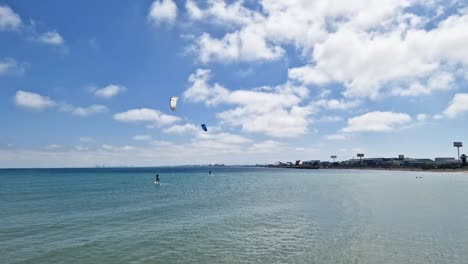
414 169
458 170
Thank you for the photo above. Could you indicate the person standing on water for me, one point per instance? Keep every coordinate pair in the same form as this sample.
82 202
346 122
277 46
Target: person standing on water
157 178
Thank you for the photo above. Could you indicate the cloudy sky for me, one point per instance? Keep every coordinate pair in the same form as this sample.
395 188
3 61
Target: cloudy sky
86 83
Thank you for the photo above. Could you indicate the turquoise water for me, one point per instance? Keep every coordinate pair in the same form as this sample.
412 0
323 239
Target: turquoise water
236 215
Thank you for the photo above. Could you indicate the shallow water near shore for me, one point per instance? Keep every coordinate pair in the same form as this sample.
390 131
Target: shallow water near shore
235 215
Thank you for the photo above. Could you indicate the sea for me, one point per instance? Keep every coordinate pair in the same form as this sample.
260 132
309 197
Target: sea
234 215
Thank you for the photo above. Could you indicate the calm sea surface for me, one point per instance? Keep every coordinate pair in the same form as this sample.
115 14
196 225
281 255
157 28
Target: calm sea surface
235 215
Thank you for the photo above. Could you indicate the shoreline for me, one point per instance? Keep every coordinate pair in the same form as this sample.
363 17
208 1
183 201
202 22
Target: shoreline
460 170
464 170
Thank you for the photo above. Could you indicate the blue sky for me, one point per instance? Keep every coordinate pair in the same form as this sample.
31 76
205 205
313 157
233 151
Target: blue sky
88 83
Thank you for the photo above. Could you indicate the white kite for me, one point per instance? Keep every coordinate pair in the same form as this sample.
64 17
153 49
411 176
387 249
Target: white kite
173 102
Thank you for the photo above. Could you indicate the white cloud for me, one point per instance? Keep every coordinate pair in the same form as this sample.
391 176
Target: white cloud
337 137
458 106
247 45
143 138
36 101
308 75
334 104
265 146
421 117
109 91
160 143
439 82
193 10
181 129
274 111
32 100
53 147
112 148
199 135
51 38
223 137
90 110
376 122
218 11
330 119
388 48
146 115
11 66
84 111
162 11
9 20
371 61
201 91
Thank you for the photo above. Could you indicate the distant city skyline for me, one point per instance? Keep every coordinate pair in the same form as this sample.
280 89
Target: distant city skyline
88 83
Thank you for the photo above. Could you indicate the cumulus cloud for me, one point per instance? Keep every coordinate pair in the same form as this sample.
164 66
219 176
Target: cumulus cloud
90 110
198 134
84 111
53 147
36 101
442 81
9 20
181 129
371 62
457 106
51 38
239 46
337 137
330 119
109 91
390 49
33 101
265 146
162 11
143 138
248 44
223 137
308 75
334 104
222 13
274 111
146 115
11 66
421 117
376 122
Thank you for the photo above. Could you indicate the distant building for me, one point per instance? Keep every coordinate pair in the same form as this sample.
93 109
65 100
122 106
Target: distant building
417 162
311 162
373 162
445 160
315 164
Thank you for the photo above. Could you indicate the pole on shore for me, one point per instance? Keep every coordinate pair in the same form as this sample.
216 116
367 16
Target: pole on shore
458 145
